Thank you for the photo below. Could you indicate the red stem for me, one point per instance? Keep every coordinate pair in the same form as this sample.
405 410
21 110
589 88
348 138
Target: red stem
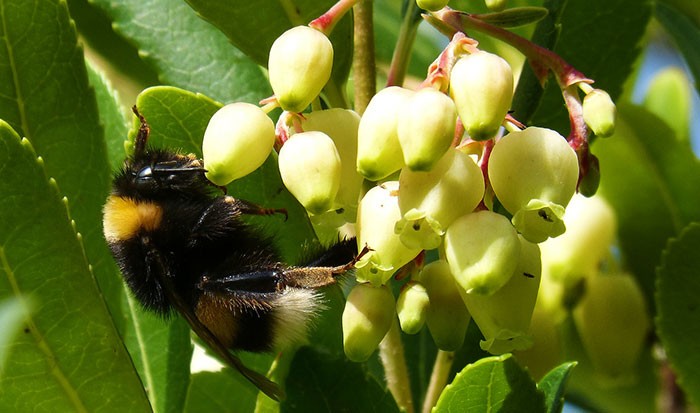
327 21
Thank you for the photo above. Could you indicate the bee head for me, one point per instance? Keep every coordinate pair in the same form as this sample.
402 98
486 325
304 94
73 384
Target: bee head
159 173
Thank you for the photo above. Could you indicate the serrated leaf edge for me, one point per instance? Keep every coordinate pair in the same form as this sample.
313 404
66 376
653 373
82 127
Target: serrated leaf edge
659 270
41 343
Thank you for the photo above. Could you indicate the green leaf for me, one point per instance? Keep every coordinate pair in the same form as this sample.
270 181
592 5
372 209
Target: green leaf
685 32
514 16
111 117
110 51
161 352
254 26
213 392
317 383
45 96
651 181
186 51
553 385
678 301
327 335
247 393
492 384
178 119
70 357
529 91
584 42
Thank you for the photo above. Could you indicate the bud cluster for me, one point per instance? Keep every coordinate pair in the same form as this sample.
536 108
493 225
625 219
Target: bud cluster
440 172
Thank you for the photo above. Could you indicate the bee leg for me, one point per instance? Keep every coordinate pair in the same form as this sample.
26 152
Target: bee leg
249 208
316 277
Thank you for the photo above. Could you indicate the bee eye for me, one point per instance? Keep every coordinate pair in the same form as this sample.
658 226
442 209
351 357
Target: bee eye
145 174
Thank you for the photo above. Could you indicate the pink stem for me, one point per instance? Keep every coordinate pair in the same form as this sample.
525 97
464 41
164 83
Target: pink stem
327 21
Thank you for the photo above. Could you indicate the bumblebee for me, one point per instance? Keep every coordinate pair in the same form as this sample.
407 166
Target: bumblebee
183 247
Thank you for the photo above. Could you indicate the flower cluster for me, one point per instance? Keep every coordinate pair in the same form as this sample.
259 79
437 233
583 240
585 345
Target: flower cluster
445 168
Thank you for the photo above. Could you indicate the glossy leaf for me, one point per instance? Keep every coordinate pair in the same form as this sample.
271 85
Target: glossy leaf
46 97
186 51
529 91
109 50
69 357
338 385
584 42
685 32
211 392
651 181
161 351
677 300
553 385
492 384
111 117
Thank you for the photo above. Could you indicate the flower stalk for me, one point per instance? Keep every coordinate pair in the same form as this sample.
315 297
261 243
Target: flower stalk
438 379
404 45
392 355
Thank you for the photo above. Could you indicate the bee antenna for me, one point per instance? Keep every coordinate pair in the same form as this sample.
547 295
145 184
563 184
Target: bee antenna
142 136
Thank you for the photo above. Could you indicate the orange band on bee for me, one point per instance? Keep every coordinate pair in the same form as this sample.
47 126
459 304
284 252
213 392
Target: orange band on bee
124 217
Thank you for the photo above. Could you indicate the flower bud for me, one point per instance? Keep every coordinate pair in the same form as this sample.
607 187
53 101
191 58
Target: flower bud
377 214
237 141
299 66
504 317
591 228
432 5
547 351
378 150
341 125
368 314
427 199
426 128
599 112
310 168
447 316
482 249
534 164
613 323
412 307
481 85
496 5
